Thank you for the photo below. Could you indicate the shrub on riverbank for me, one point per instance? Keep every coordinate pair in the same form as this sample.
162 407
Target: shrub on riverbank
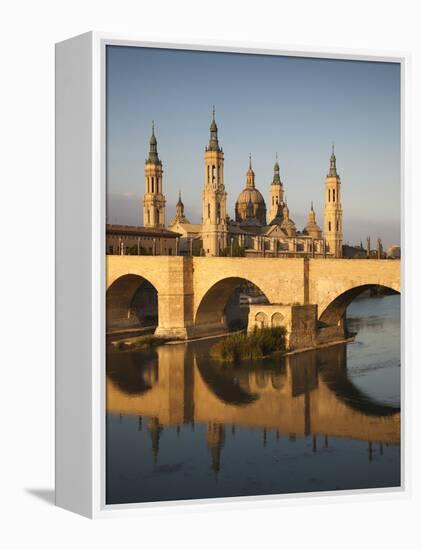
245 347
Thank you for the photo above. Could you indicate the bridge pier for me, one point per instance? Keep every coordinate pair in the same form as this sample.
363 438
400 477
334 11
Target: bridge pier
174 314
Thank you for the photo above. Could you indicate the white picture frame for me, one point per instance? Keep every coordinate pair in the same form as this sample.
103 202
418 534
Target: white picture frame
80 274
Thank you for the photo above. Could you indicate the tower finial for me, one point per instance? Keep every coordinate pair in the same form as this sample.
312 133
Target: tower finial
213 141
153 149
250 161
311 206
332 170
276 176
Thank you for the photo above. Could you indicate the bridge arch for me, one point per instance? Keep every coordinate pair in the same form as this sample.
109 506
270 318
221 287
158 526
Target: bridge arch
210 312
132 302
333 313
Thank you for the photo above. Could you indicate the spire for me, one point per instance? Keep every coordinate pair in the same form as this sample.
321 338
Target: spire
250 176
179 209
312 215
153 150
180 216
213 140
276 177
332 171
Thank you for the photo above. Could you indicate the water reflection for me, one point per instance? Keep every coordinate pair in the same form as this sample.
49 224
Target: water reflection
231 418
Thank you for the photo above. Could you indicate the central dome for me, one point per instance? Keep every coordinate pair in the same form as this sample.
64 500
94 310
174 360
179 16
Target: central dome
250 202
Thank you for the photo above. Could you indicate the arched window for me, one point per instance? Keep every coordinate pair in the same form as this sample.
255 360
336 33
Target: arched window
333 191
277 319
261 320
330 226
337 226
208 210
149 217
329 196
218 212
208 173
152 188
213 173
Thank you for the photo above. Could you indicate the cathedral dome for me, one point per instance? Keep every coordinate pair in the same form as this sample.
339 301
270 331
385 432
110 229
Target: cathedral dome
253 195
249 199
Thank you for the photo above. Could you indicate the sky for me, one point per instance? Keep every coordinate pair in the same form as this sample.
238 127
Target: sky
296 107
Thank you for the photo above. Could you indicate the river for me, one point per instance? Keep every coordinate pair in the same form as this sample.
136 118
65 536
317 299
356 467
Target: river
179 426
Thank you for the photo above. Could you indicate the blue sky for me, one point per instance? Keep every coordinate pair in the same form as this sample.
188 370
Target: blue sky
264 104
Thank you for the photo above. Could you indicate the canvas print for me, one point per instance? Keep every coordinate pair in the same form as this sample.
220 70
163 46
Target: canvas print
252 274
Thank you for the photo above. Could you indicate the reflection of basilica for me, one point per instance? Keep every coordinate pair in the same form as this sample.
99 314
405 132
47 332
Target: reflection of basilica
308 394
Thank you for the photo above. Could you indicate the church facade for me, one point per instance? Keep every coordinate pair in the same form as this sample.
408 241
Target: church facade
256 229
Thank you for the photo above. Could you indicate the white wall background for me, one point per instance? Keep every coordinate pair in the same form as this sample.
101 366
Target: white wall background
28 31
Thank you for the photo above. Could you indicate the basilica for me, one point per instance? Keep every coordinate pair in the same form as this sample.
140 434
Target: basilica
256 229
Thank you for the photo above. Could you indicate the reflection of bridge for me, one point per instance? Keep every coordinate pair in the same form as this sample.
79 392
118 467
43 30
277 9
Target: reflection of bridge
308 393
192 292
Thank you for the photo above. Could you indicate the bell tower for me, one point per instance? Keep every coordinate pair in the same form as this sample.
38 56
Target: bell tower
214 197
276 195
333 210
153 199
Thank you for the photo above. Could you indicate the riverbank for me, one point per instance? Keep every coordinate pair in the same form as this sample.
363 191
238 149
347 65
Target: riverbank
228 346
139 343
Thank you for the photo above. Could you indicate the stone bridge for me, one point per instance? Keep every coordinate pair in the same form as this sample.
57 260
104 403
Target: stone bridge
192 292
